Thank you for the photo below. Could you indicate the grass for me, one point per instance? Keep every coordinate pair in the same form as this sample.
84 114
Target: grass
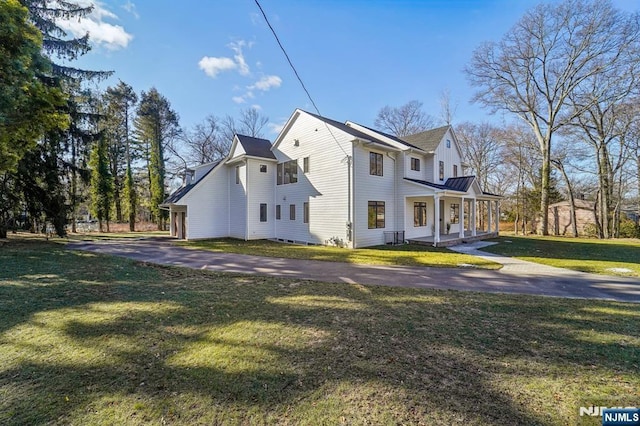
91 339
610 257
405 255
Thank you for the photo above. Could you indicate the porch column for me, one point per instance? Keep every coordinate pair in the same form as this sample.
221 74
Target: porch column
472 220
179 225
461 219
172 223
436 220
489 216
497 216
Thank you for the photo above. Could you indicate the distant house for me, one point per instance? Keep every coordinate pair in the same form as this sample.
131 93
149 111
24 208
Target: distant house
327 182
560 216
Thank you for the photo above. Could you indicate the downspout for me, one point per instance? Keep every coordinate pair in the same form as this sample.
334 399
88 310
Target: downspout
350 227
246 199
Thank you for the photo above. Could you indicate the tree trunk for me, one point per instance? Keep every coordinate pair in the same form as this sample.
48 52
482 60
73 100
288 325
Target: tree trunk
544 190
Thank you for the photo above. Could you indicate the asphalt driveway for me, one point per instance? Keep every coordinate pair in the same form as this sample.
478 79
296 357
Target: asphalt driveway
516 277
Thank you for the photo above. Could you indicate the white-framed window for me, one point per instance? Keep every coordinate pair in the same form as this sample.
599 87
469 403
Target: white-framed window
278 211
375 164
292 212
441 170
419 213
263 168
263 212
305 165
415 164
305 212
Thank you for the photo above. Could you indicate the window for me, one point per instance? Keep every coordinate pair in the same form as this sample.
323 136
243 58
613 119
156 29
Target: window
375 164
292 211
376 214
287 172
305 212
237 175
415 164
305 164
263 168
277 211
442 170
455 170
455 213
448 143
420 213
263 212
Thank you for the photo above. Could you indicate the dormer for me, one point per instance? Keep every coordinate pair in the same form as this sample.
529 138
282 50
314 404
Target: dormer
444 154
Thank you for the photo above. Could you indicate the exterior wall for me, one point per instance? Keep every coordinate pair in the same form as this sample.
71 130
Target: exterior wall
260 190
325 187
450 156
411 231
207 206
373 188
560 219
237 201
413 174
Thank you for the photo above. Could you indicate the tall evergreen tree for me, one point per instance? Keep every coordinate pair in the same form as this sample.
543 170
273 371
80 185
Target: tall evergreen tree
156 126
101 183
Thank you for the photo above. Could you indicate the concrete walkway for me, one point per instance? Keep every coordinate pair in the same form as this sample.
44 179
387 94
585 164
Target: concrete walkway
516 277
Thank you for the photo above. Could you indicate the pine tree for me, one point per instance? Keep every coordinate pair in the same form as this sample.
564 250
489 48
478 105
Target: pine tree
156 125
101 183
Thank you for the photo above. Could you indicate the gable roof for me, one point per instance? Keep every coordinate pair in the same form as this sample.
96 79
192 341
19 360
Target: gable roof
256 147
178 194
386 135
427 140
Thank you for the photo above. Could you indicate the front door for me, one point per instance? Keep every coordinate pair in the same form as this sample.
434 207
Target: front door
184 224
442 221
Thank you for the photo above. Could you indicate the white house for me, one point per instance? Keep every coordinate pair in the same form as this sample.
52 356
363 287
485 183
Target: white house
326 182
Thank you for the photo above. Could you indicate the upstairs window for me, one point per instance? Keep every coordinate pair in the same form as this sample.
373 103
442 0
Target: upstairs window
448 143
237 175
441 170
287 172
375 164
455 170
415 164
305 164
263 168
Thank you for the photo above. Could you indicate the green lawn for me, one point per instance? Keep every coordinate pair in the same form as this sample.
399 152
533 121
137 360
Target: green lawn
610 257
91 339
406 255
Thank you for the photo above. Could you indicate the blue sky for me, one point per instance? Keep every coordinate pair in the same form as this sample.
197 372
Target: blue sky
355 57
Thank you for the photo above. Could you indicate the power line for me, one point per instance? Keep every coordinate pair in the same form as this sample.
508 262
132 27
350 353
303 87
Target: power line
273 31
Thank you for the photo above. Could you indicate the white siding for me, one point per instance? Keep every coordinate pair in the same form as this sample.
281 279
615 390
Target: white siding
412 231
325 187
372 188
207 206
450 156
260 191
237 201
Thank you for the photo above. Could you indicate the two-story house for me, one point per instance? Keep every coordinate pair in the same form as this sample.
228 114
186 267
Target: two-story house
327 182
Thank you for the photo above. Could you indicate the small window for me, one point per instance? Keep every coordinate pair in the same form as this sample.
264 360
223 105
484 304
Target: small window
305 212
277 211
292 212
448 143
263 168
263 212
420 213
455 170
442 170
375 164
455 213
376 214
415 164
237 175
305 164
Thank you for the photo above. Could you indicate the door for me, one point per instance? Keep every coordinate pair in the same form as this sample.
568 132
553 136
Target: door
183 222
443 228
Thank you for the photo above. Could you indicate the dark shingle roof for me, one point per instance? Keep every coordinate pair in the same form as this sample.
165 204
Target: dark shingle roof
460 183
256 147
427 140
395 138
184 190
349 130
431 184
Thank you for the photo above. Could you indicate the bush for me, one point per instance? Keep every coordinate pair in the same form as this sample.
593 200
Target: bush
590 230
628 229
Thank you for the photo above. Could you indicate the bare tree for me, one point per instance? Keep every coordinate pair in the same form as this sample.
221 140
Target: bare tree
251 123
447 110
482 148
405 120
540 62
205 142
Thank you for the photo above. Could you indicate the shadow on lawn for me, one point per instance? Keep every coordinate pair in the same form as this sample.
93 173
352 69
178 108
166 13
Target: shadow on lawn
243 344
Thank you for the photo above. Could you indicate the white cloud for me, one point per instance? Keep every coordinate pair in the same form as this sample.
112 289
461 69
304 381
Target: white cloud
112 37
266 83
277 127
131 8
236 46
256 107
238 99
212 66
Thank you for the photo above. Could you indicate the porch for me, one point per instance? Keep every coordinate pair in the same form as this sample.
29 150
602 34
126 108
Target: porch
453 238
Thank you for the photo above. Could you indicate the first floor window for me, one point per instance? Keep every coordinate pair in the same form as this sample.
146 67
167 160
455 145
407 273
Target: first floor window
305 212
441 170
277 211
376 214
420 213
292 211
415 164
455 213
263 212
